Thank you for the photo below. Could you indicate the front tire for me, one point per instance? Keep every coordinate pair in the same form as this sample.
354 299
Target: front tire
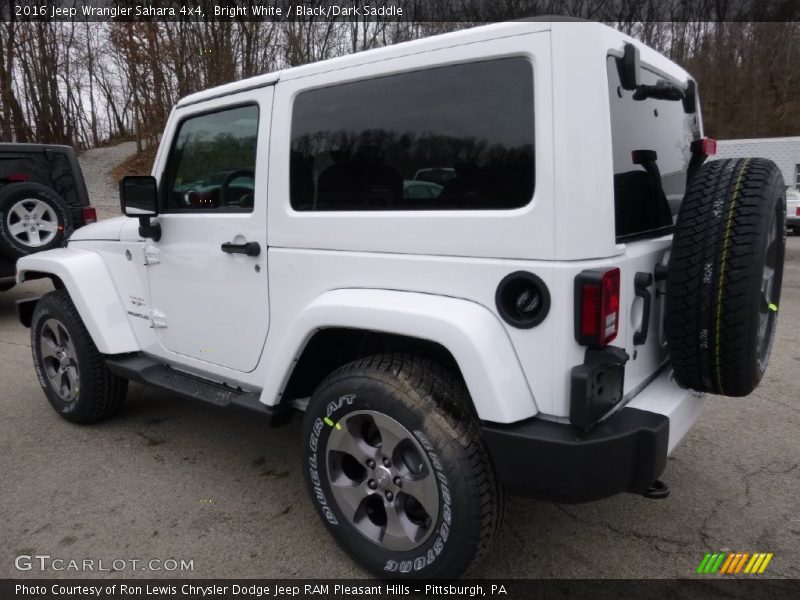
398 470
71 370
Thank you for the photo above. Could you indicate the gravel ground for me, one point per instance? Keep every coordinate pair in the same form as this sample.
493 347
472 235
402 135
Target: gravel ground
97 165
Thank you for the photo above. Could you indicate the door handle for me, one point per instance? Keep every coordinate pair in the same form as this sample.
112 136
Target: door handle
248 248
641 282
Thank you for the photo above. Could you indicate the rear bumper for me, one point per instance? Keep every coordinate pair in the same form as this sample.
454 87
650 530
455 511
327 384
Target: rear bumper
793 221
625 453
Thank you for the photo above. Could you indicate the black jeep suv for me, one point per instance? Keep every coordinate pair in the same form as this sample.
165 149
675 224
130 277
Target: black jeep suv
43 198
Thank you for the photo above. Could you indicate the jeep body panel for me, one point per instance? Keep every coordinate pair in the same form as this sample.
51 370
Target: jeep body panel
584 221
228 302
87 277
471 333
107 229
503 233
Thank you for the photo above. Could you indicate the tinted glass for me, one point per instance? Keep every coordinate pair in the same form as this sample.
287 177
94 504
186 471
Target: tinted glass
648 201
457 137
139 194
213 160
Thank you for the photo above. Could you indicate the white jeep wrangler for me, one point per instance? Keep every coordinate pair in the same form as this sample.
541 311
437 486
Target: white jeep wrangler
490 259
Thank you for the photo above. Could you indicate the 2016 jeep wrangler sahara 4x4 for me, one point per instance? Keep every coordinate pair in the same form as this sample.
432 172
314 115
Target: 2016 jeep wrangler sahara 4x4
544 317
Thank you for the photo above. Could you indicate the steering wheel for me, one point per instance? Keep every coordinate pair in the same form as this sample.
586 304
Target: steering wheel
223 188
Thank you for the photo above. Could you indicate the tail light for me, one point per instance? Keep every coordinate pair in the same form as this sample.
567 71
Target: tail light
16 177
705 146
89 215
596 307
797 211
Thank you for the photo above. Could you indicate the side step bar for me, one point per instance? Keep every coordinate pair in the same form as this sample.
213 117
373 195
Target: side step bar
152 373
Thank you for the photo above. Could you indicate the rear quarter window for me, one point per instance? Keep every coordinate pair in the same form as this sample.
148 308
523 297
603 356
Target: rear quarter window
458 137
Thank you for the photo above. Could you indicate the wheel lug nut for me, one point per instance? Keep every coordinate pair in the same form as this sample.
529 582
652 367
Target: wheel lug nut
387 463
389 495
398 482
370 463
371 484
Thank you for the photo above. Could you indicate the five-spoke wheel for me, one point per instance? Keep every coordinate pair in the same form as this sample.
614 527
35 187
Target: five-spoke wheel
59 359
397 468
382 480
32 222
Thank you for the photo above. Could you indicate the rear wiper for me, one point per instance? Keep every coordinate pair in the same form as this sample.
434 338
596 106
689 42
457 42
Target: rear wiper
662 90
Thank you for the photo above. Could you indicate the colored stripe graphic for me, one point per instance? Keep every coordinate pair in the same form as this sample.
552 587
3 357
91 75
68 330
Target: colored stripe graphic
741 562
749 568
733 563
729 563
716 565
764 564
703 563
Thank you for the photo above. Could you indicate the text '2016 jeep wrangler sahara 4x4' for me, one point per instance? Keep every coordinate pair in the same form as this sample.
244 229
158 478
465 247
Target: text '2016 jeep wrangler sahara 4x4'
543 318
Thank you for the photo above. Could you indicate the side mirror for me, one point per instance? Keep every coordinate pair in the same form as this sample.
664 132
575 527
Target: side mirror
138 197
628 67
690 98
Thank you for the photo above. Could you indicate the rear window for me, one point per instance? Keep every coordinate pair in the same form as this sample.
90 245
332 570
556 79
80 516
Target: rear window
647 195
449 138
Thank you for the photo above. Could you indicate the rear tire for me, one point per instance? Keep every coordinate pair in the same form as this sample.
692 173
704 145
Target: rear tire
71 370
432 509
724 277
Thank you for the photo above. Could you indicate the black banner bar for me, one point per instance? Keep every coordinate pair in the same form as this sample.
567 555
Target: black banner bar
750 588
456 11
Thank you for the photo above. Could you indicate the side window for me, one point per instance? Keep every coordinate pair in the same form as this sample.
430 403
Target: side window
797 177
212 162
448 138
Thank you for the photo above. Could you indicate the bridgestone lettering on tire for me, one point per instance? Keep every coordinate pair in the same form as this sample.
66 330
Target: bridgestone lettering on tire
70 369
398 470
724 277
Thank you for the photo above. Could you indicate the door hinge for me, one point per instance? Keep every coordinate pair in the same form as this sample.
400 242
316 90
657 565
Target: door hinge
158 319
152 255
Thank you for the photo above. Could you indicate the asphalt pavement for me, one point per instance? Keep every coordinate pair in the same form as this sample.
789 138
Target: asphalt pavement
174 480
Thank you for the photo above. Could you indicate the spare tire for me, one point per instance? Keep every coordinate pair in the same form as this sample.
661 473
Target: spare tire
33 218
724 277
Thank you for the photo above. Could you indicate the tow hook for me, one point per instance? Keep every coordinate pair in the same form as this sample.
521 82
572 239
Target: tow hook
657 491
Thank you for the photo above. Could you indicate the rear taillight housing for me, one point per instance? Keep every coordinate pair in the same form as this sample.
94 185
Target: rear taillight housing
16 177
596 307
705 146
89 215
797 211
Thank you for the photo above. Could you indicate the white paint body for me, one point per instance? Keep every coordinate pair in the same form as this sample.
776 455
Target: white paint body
425 274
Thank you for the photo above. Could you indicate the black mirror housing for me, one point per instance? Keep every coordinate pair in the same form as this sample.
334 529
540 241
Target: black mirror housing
628 67
138 195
